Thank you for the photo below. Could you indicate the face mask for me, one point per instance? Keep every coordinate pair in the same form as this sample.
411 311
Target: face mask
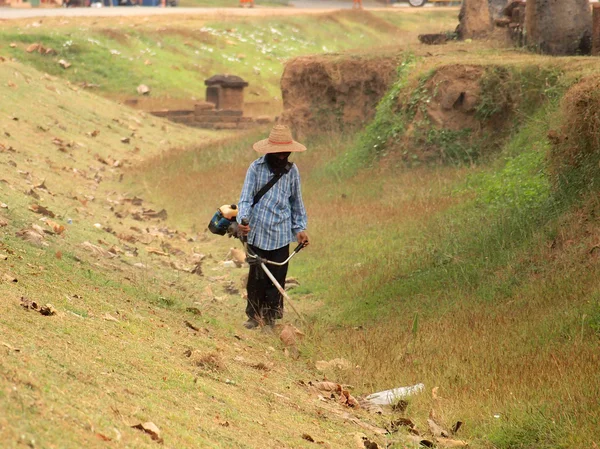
276 163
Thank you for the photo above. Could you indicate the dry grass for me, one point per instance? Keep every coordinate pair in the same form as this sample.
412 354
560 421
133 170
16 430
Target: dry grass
115 353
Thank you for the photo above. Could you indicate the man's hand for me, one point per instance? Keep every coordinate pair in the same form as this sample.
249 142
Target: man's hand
243 230
302 237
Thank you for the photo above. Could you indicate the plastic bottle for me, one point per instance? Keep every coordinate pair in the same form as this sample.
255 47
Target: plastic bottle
229 211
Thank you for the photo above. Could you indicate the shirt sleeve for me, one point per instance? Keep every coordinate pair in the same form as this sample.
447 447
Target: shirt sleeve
247 196
299 218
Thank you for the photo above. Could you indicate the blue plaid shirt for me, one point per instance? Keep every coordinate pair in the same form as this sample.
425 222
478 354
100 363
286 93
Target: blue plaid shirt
280 213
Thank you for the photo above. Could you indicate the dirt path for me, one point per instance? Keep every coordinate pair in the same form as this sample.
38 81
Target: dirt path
301 8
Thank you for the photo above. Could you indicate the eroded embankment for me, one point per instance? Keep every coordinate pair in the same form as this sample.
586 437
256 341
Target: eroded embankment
434 111
332 92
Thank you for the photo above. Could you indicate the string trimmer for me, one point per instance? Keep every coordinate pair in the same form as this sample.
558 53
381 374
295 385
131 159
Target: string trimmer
254 259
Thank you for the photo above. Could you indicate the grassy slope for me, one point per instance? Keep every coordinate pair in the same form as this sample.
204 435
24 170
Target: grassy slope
115 354
446 275
175 59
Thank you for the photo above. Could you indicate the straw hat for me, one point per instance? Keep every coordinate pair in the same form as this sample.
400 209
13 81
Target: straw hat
279 141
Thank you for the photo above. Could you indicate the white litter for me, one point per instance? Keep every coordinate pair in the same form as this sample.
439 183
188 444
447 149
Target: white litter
388 397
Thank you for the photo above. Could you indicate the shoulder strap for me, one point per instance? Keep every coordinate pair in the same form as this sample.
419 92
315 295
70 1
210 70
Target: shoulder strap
271 183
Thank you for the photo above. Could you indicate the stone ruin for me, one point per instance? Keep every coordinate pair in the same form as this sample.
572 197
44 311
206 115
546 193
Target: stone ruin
223 108
554 27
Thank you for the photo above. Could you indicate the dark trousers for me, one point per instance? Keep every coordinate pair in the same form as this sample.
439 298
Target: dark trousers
265 303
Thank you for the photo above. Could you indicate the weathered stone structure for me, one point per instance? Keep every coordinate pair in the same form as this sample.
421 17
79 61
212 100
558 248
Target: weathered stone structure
226 92
223 108
204 115
596 30
474 19
559 27
496 8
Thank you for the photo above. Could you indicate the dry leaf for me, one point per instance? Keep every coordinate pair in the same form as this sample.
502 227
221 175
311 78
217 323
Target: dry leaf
340 364
290 335
447 442
64 64
436 429
142 89
3 222
56 227
151 429
97 250
307 437
156 251
327 386
33 47
237 256
7 277
32 236
48 310
108 317
41 210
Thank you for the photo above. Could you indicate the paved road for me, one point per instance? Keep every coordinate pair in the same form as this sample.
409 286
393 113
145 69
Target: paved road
300 7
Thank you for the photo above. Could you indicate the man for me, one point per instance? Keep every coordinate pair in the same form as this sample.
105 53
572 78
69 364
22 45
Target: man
276 220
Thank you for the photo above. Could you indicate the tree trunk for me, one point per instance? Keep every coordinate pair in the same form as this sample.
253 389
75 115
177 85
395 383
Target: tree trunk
496 8
559 27
474 18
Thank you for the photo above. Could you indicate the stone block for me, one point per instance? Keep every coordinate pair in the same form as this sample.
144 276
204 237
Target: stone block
204 125
229 112
217 119
226 125
204 106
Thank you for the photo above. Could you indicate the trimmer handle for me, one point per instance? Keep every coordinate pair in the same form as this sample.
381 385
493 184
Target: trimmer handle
245 222
299 247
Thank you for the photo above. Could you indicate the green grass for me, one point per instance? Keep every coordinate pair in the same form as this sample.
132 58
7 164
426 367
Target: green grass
474 276
175 60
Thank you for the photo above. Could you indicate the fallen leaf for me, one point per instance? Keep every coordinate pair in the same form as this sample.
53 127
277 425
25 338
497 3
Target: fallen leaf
151 429
3 222
12 45
103 437
48 310
237 256
108 317
58 255
10 347
290 335
340 364
3 256
3 206
33 47
56 227
191 326
7 277
125 140
327 386
38 209
307 437
156 251
447 442
436 429
64 64
97 251
32 236
142 89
